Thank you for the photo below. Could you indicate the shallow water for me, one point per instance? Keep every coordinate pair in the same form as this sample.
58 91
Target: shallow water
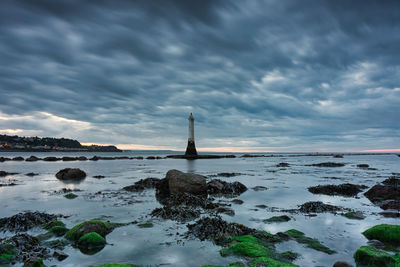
164 244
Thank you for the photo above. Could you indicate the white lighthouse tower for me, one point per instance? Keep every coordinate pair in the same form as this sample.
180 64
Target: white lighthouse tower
191 148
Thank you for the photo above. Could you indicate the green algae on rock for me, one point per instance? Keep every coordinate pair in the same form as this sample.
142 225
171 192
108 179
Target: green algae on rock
277 219
56 244
265 261
246 248
51 224
384 232
311 242
370 256
354 215
100 227
91 240
38 262
233 264
59 230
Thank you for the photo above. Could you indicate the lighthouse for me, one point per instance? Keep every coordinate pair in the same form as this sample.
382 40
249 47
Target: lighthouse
191 148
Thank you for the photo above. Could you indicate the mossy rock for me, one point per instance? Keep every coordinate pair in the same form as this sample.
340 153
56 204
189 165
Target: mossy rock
70 196
6 258
288 255
371 256
248 249
145 225
265 261
91 240
51 224
310 242
113 265
388 233
233 264
246 238
277 219
59 230
100 227
270 237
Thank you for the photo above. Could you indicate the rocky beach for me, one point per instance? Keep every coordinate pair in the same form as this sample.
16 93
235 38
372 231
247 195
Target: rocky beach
143 209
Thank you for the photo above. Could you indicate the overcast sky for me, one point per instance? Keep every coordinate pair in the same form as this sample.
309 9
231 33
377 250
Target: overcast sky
257 75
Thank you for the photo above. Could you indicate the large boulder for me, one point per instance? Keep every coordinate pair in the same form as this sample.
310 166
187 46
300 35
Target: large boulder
388 190
180 182
71 174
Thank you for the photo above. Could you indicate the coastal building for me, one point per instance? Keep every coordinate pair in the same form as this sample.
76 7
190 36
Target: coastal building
191 147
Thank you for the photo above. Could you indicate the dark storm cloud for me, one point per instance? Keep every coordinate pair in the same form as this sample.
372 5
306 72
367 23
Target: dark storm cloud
280 75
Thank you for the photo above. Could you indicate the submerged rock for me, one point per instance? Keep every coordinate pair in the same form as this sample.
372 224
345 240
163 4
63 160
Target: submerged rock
3 173
282 165
143 184
228 174
311 242
99 176
71 174
31 174
347 190
100 227
390 205
70 196
259 188
327 164
282 218
24 221
363 166
318 207
354 215
222 188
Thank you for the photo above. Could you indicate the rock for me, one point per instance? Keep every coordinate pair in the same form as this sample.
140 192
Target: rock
2 159
388 233
327 164
151 157
390 205
347 190
100 227
354 215
94 158
318 207
99 176
363 166
71 174
70 196
225 210
181 214
82 158
228 174
392 181
390 214
3 173
51 224
222 188
179 182
31 174
342 264
91 240
216 229
59 230
32 158
390 190
69 158
34 262
311 242
51 159
18 159
283 165
60 256
237 201
22 248
277 219
259 188
143 184
370 256
338 156
24 221
145 225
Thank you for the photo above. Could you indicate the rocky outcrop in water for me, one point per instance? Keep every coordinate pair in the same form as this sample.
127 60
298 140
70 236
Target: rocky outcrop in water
143 184
71 174
221 188
388 190
180 182
318 207
4 173
347 190
327 164
22 222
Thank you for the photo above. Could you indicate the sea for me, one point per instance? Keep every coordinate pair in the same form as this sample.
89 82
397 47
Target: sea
165 243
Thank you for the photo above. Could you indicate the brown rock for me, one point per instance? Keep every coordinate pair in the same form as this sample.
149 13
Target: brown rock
179 182
71 174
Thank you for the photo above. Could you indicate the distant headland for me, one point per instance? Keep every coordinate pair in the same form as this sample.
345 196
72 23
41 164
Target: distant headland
48 144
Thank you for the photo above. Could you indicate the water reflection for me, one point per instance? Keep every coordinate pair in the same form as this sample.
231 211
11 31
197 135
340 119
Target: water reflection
191 166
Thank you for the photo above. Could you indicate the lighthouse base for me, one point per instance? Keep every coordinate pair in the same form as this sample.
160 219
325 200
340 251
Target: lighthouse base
191 150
